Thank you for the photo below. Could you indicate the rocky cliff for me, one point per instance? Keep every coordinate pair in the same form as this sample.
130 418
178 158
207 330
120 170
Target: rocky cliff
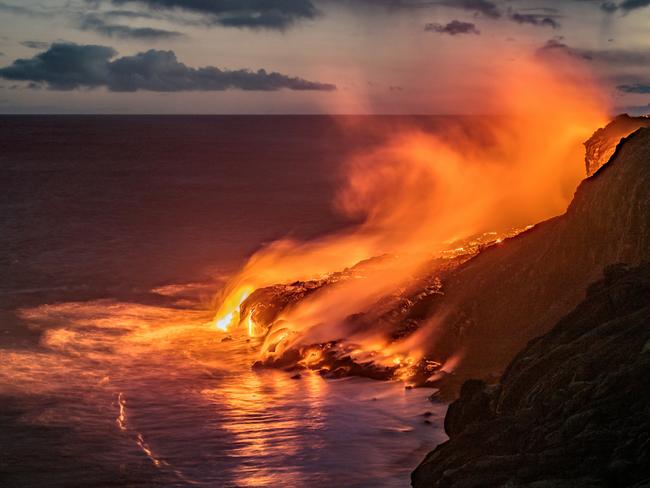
601 146
571 410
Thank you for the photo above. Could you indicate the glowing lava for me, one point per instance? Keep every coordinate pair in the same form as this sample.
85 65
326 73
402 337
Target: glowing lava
423 196
229 313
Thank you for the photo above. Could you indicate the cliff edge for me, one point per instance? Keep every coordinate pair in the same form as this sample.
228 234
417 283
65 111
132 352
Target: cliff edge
602 144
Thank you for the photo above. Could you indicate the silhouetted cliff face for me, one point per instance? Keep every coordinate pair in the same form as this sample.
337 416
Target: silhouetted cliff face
510 293
571 410
600 146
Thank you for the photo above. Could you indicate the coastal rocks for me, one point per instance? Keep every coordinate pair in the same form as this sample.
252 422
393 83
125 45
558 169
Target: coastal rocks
602 144
572 409
330 360
473 406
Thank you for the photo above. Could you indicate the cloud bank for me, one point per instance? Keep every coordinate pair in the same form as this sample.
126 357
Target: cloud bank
253 14
635 88
625 5
70 66
610 57
95 23
453 28
535 19
482 7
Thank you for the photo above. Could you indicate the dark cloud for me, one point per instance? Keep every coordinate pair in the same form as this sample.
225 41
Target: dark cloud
534 19
94 22
161 71
635 88
546 9
610 57
609 7
483 7
628 57
634 4
554 46
453 28
63 67
35 44
625 5
499 8
70 66
254 14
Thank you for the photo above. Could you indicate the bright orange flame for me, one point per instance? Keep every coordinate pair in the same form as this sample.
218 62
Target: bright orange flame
229 314
418 192
253 329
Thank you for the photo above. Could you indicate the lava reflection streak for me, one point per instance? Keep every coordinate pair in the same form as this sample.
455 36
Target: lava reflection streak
147 450
121 417
262 412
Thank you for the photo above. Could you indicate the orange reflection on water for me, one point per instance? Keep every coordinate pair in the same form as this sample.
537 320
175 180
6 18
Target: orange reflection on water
161 387
257 410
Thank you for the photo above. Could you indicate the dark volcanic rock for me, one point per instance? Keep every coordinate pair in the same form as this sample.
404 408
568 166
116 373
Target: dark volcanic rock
600 146
571 410
474 406
508 294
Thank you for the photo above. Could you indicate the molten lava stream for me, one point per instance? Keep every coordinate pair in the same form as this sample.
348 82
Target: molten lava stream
417 195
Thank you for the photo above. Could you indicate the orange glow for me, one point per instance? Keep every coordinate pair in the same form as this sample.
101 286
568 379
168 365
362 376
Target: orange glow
418 193
228 313
312 357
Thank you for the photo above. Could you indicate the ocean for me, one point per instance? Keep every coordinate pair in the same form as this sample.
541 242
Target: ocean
117 232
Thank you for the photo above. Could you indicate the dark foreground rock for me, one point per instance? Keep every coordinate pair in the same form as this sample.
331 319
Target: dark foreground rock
571 410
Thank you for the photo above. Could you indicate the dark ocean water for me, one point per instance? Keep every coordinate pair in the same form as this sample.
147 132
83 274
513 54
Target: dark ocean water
136 201
115 234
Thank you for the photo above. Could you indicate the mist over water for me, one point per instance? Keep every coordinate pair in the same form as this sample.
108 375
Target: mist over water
112 373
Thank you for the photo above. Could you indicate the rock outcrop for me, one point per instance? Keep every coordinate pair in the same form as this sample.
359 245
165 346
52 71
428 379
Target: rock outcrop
601 146
571 410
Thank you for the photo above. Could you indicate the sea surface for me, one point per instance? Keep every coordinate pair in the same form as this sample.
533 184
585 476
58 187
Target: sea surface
116 234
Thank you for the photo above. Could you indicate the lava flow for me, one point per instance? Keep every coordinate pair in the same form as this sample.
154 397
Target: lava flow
425 201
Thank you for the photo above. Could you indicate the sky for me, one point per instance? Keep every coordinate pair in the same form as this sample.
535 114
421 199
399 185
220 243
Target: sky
305 56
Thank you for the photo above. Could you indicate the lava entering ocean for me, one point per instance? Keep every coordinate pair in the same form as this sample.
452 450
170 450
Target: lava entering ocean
426 202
